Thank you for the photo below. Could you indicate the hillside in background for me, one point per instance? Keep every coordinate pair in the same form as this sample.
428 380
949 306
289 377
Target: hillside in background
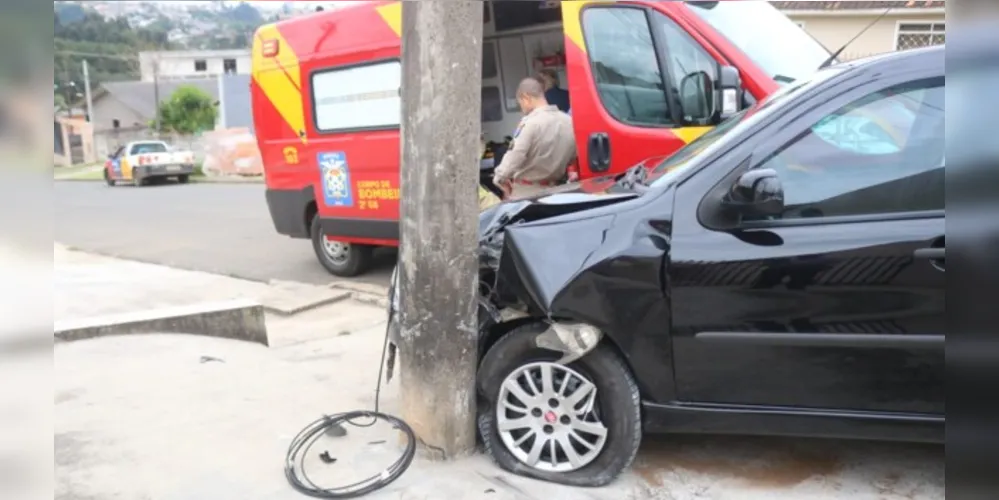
109 36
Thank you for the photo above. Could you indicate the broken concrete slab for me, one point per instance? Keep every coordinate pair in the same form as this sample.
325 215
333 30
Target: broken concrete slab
288 298
236 319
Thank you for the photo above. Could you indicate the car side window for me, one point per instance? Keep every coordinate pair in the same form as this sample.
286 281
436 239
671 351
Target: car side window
881 154
625 65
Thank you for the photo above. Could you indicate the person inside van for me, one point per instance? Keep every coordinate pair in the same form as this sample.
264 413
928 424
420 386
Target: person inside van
554 94
542 148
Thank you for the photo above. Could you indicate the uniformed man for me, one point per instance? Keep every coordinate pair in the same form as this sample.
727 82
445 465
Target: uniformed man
543 145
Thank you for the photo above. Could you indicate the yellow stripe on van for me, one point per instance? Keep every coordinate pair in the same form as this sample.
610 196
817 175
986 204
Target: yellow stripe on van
392 15
572 22
279 77
689 134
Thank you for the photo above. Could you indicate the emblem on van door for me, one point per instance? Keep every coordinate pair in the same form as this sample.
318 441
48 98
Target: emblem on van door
291 155
337 191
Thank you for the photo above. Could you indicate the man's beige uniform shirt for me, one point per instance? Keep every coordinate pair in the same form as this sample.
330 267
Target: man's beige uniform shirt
543 146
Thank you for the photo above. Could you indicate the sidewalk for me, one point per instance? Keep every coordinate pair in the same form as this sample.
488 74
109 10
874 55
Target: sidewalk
178 417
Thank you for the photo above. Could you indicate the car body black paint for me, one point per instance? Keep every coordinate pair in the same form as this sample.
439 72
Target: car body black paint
829 329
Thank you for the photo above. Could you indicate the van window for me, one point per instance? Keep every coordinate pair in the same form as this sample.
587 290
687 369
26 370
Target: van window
488 61
625 65
357 98
513 68
686 56
492 104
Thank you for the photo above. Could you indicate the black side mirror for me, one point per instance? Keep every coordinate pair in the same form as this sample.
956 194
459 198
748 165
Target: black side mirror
696 98
756 193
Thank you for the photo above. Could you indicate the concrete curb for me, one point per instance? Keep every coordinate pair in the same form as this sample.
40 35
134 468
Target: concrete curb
375 295
236 320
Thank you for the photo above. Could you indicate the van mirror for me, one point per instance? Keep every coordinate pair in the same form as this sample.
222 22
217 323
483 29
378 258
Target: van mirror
696 98
729 92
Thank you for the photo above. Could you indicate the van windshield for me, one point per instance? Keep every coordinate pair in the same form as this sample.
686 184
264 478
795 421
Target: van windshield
731 129
779 46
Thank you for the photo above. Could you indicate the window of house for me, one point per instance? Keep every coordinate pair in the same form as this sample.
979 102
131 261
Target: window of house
883 153
359 97
913 35
200 65
625 65
229 65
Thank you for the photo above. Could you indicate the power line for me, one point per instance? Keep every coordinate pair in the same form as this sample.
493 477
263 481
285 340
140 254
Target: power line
90 54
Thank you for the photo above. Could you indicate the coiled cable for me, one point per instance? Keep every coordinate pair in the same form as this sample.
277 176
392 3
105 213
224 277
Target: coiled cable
294 468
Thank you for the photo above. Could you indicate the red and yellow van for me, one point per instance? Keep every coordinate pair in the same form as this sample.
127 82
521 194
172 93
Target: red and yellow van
326 96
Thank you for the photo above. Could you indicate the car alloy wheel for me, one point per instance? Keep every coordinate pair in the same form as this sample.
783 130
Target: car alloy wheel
546 417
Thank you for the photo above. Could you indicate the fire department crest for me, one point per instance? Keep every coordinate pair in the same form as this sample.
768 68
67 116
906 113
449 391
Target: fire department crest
337 191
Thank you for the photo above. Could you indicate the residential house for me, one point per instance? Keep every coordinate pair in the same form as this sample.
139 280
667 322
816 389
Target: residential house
894 25
123 109
192 64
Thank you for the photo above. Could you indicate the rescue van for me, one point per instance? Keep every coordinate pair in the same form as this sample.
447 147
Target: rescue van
644 78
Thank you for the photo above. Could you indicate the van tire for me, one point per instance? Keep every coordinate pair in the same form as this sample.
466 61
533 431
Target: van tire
353 261
183 179
107 178
617 392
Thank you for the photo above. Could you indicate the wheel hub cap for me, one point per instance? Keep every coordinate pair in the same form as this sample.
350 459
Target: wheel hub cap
336 250
546 417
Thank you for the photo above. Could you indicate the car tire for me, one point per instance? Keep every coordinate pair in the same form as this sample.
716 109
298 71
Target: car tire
107 178
346 260
183 179
618 403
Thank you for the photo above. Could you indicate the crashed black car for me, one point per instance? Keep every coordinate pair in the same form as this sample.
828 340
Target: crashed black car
781 275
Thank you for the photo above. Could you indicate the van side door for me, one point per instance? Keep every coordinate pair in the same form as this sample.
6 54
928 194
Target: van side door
624 63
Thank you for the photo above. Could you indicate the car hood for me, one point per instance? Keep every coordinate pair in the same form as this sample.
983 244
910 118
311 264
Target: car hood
561 200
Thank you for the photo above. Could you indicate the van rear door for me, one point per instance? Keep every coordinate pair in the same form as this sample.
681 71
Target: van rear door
625 61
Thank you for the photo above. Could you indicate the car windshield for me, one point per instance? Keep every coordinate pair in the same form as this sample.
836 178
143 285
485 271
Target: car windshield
779 46
682 160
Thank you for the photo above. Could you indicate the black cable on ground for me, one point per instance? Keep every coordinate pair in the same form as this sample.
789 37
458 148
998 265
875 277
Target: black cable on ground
294 468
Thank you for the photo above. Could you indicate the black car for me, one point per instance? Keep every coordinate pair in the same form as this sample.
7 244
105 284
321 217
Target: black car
781 275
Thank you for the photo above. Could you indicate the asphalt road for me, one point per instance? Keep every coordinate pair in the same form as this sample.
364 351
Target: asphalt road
218 228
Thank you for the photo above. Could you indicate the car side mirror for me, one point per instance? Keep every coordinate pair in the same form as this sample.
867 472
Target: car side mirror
696 98
729 92
756 193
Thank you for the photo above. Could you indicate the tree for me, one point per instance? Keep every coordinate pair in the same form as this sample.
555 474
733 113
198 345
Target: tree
189 110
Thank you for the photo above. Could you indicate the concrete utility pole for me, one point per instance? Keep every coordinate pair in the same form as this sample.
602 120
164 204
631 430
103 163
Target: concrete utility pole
86 90
438 277
156 94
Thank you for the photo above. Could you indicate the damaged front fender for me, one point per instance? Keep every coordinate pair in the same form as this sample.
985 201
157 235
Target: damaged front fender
574 340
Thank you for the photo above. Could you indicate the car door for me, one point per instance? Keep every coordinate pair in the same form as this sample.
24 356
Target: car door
838 303
624 63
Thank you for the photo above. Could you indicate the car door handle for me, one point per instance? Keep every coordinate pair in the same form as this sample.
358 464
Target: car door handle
929 253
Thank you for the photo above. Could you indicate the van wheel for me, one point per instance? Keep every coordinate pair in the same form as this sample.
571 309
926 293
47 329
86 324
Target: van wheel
183 179
107 178
140 181
345 260
577 425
